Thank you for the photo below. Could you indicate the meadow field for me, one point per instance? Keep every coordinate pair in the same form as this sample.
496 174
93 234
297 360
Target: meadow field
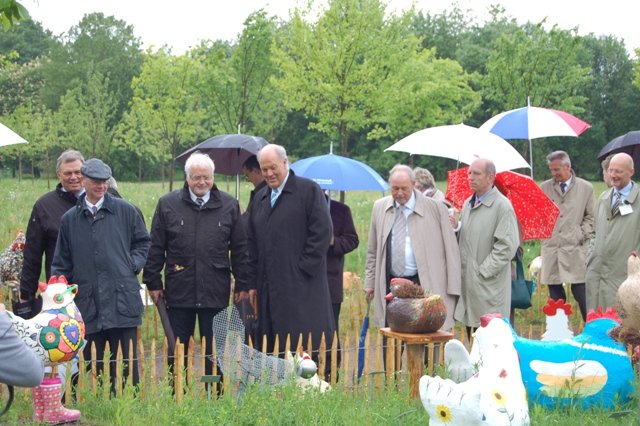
284 405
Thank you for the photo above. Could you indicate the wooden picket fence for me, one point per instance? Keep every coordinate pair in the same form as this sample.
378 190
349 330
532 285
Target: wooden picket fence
187 375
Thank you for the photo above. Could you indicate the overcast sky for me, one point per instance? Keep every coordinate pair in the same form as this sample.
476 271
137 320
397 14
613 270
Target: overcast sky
181 24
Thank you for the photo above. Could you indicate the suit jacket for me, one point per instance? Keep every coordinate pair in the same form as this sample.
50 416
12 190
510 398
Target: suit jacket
434 247
564 255
345 240
616 237
288 247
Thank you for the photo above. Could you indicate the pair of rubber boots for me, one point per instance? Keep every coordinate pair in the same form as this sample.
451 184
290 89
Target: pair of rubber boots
47 404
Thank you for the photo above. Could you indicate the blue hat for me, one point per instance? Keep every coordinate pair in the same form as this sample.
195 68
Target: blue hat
95 169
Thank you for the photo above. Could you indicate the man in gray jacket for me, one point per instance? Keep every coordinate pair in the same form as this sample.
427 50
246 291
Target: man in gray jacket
20 365
102 246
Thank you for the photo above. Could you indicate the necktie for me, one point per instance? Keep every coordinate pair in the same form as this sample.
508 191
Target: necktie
399 236
616 205
274 196
200 202
94 210
563 187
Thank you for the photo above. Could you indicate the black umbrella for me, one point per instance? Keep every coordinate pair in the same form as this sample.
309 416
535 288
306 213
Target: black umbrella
228 152
629 143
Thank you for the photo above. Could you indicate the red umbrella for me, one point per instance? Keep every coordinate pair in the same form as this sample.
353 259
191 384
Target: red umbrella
536 213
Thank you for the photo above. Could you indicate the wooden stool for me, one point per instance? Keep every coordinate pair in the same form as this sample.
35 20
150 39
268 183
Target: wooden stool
415 352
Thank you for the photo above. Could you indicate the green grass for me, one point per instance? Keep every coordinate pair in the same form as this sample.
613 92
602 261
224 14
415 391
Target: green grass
267 406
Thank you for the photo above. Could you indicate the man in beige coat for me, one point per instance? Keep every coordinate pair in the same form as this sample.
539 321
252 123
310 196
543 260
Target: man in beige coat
617 234
564 254
488 239
432 254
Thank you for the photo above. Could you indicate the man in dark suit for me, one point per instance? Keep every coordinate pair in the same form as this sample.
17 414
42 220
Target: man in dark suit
344 240
289 235
251 171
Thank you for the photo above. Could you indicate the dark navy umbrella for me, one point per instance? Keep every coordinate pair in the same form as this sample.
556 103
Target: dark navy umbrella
628 143
228 152
338 173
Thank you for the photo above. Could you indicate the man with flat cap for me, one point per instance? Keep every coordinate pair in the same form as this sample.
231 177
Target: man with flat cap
101 247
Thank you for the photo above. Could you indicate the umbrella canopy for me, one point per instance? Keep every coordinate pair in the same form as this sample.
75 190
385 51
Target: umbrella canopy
228 152
462 143
628 143
9 137
338 173
535 211
534 122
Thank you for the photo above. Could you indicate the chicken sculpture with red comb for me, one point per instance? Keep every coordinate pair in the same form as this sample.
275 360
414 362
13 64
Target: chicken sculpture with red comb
56 334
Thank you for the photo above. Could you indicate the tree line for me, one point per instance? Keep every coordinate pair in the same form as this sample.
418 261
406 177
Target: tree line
355 76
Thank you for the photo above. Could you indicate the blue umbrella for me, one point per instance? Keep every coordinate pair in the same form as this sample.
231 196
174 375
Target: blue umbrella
361 342
338 173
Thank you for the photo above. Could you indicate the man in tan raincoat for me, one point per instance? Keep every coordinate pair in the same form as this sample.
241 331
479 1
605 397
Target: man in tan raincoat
433 258
617 235
564 254
488 239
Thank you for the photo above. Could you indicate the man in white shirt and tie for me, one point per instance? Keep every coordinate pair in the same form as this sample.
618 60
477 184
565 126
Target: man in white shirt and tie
420 245
564 253
617 234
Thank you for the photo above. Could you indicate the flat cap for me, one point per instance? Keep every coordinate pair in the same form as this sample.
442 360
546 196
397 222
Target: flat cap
95 169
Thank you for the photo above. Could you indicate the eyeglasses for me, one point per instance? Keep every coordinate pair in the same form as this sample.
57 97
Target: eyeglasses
200 178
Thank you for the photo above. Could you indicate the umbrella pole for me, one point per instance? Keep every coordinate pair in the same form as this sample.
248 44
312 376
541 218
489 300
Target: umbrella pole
531 157
237 187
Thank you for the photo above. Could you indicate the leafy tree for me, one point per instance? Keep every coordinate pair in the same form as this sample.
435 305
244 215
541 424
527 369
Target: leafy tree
537 65
28 39
612 109
98 44
19 83
334 70
236 84
165 110
11 12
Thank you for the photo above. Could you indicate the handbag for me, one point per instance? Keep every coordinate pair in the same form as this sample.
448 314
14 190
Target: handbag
521 289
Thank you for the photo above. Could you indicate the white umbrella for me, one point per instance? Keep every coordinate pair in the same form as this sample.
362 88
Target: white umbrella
9 137
462 143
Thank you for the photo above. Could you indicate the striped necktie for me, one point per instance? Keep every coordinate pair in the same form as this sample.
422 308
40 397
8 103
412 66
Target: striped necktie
274 196
399 237
199 202
615 209
563 187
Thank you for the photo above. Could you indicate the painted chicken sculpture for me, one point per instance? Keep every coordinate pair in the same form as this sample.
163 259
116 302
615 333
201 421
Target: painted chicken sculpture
590 369
57 333
492 395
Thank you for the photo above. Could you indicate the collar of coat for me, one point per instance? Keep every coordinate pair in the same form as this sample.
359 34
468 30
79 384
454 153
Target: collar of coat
289 186
420 208
632 195
107 204
488 199
214 202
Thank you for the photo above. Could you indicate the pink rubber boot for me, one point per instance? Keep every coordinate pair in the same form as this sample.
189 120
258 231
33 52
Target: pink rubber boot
38 404
53 411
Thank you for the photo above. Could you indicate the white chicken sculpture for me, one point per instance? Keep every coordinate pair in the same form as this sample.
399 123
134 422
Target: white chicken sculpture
495 395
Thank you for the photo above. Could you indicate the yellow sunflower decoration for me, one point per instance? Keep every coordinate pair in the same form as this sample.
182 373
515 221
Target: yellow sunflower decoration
499 397
444 413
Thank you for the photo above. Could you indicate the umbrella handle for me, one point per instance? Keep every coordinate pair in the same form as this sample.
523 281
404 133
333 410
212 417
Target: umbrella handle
368 307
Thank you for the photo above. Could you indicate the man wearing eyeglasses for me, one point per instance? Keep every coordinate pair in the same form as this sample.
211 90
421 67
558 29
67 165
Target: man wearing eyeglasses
198 239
